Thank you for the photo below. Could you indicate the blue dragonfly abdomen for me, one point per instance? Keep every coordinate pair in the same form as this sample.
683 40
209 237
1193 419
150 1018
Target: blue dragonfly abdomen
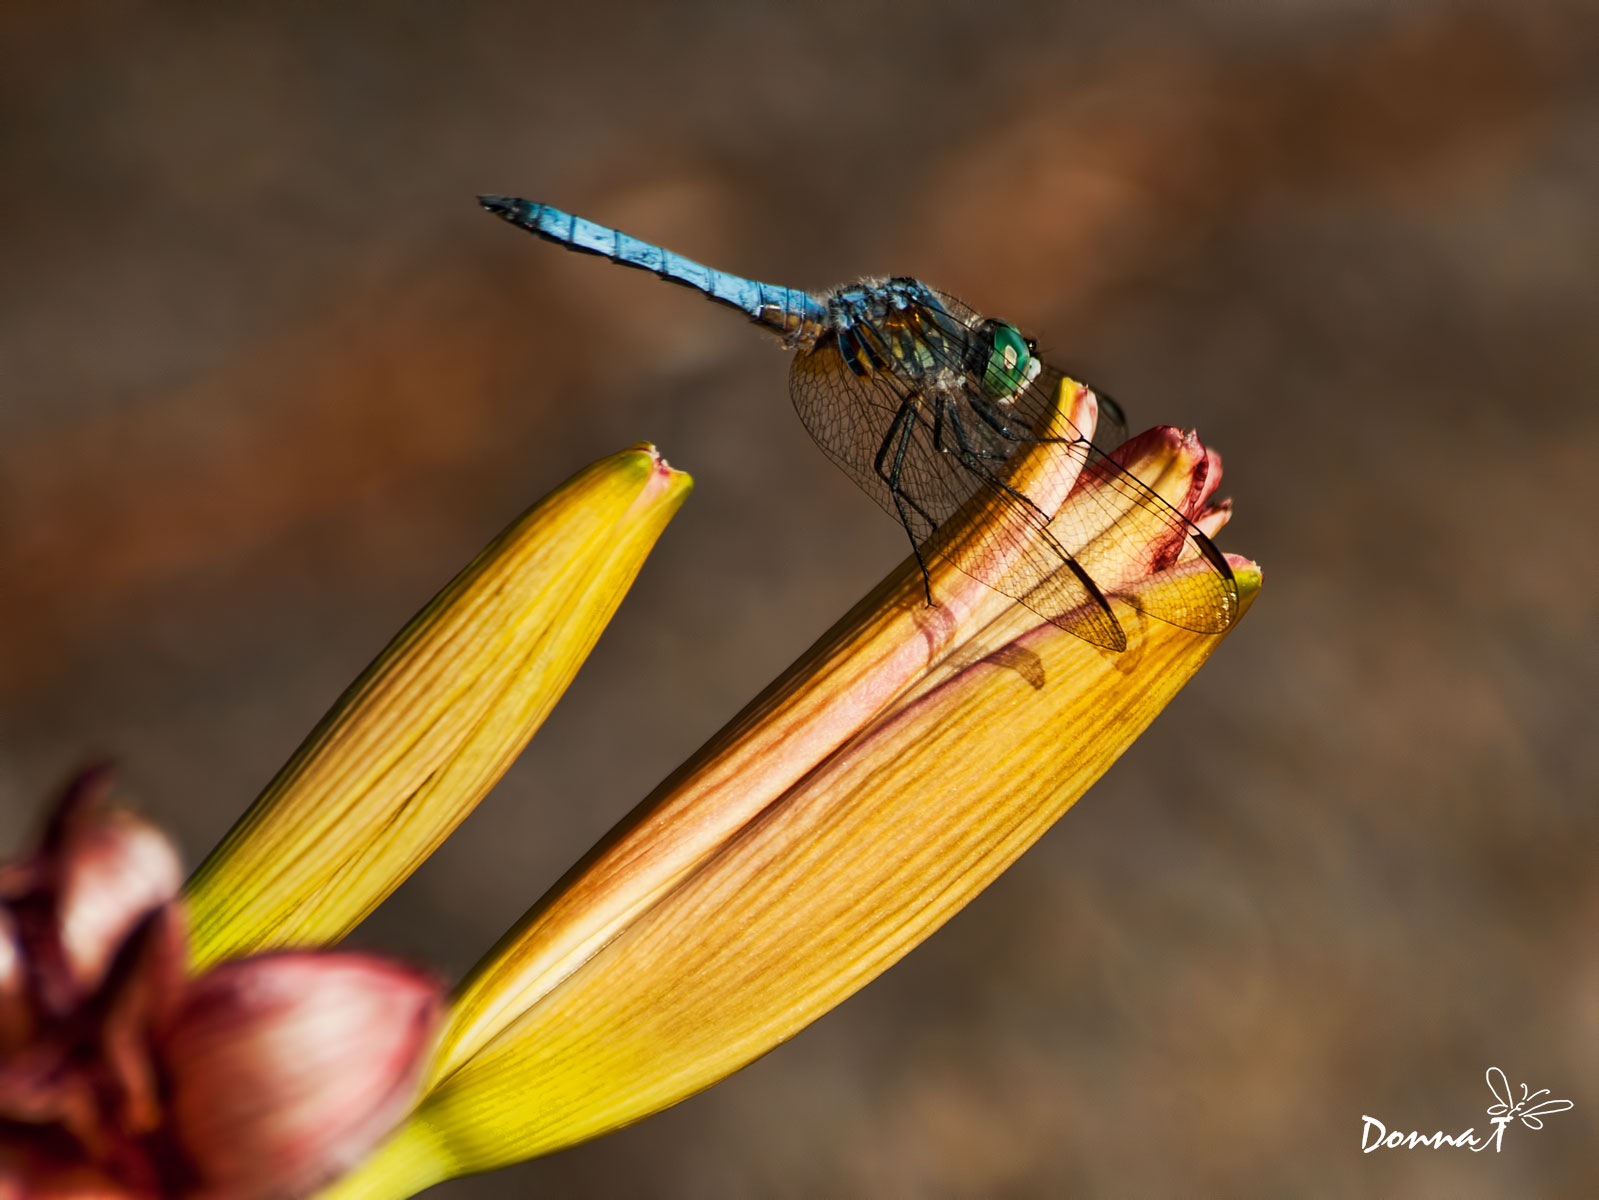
787 311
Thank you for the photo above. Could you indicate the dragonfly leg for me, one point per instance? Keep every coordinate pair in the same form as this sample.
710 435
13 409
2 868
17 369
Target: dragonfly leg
973 458
898 443
947 410
995 420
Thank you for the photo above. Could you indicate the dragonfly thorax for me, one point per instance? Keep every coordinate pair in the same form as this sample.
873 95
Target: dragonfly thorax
901 328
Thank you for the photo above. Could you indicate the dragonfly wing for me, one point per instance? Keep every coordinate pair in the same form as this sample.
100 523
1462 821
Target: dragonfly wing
848 418
1111 429
860 423
1121 531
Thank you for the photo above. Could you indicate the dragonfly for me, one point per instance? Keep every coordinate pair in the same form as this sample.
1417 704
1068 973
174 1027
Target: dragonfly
922 401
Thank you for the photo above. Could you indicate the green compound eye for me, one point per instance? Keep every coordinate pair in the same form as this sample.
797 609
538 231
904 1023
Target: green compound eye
1011 364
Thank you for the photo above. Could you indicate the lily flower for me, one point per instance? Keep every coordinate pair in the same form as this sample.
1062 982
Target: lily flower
121 1076
866 796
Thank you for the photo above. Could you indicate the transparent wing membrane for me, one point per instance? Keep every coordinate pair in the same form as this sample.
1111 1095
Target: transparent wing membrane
882 435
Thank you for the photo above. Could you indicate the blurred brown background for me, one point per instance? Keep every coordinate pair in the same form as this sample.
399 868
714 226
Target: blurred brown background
270 378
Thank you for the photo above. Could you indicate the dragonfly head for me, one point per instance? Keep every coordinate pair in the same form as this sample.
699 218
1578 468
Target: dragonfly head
1003 359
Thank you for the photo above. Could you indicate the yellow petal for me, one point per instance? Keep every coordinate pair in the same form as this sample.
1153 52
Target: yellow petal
424 733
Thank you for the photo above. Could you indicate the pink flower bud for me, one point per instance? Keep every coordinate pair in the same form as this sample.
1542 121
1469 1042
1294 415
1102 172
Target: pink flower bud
120 1076
284 1069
